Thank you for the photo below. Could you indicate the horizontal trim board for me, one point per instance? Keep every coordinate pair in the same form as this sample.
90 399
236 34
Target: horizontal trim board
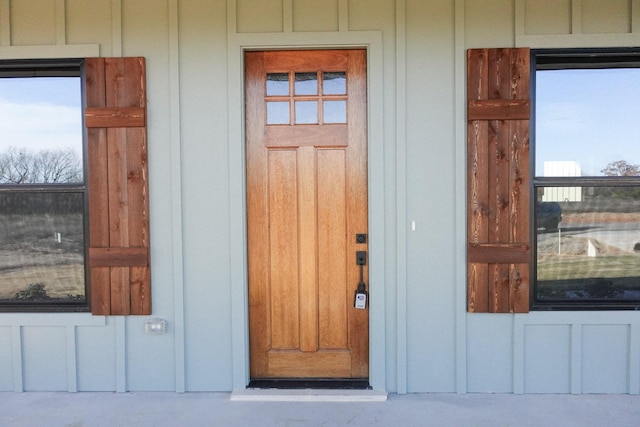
115 117
496 253
50 51
536 41
286 136
118 257
51 319
499 109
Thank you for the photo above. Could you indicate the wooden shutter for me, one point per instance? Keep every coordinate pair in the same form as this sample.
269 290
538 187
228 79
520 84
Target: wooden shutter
115 116
498 181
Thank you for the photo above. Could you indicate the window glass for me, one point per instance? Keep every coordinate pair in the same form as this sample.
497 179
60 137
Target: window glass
335 111
41 122
586 119
595 253
278 113
306 112
277 84
41 247
306 84
334 83
42 187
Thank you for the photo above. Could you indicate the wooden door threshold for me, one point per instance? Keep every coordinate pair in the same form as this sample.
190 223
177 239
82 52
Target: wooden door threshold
311 383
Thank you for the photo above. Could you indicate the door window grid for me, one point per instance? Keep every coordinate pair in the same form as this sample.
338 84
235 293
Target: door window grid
306 98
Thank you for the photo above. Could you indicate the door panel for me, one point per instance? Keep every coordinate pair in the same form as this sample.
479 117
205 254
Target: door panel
306 201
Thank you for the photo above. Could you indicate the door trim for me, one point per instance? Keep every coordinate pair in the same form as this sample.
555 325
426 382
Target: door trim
237 45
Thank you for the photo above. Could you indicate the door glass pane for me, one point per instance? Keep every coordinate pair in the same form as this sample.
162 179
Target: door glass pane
588 244
42 247
334 83
278 113
277 84
306 84
306 112
41 122
335 111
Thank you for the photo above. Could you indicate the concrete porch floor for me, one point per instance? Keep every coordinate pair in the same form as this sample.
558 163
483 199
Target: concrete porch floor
53 409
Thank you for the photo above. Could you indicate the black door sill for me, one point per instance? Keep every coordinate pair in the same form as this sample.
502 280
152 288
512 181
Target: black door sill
311 383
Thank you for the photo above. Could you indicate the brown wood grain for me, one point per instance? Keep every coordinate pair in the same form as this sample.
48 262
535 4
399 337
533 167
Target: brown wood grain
258 251
357 212
498 194
499 109
284 291
115 117
120 278
118 257
332 256
306 200
493 253
306 136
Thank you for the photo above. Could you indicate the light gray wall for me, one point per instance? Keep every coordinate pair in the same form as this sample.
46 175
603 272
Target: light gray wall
422 339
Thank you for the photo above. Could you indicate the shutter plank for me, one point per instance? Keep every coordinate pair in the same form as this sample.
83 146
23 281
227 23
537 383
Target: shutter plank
138 217
100 289
478 173
118 217
498 183
120 291
498 180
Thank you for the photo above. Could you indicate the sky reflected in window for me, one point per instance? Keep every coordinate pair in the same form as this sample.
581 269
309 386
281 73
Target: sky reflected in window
40 113
587 119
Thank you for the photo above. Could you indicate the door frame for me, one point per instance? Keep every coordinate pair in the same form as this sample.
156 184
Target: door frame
237 45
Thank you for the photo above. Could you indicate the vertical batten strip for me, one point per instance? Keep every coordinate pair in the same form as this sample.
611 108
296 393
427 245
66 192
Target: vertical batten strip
72 359
576 358
520 21
401 196
232 17
460 200
236 190
343 15
121 353
5 23
634 358
287 16
518 326
576 17
16 351
635 16
176 196
61 24
116 27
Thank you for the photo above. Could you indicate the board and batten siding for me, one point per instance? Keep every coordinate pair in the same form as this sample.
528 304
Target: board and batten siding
423 338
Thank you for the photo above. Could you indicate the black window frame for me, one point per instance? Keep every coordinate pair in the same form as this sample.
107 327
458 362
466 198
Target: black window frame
575 58
67 67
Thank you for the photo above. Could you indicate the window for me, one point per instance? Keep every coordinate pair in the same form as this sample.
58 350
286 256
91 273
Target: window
42 186
74 206
586 179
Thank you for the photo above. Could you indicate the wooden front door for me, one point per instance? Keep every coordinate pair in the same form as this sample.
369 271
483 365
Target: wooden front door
306 151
